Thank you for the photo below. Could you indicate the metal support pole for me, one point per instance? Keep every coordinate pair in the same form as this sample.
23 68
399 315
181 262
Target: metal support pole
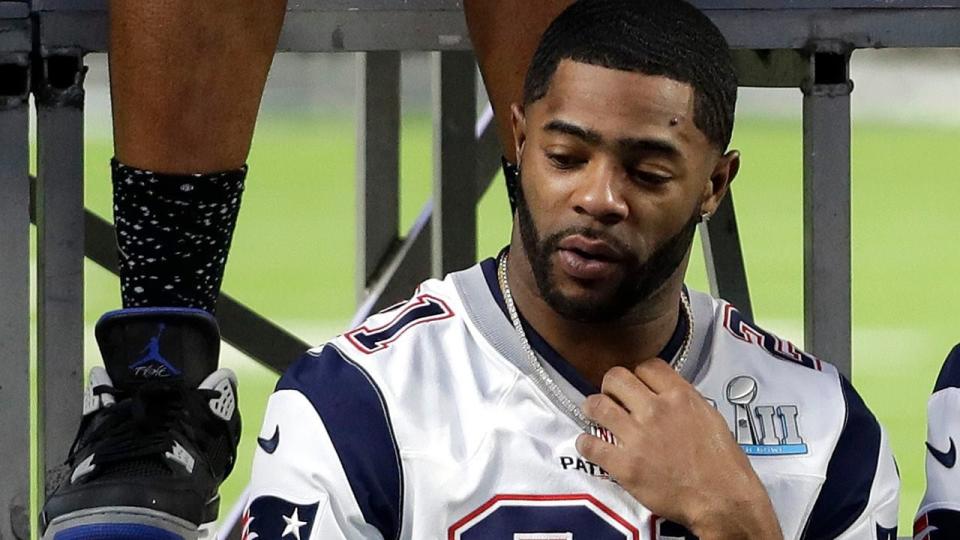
14 296
826 209
454 227
724 258
378 163
409 263
58 88
364 25
406 268
488 151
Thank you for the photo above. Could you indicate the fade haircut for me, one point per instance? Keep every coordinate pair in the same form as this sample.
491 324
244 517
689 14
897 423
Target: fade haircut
669 38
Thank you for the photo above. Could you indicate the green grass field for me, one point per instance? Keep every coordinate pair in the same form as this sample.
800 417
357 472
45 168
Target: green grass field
292 255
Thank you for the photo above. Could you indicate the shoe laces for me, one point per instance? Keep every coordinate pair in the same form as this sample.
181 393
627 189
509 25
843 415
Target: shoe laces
145 421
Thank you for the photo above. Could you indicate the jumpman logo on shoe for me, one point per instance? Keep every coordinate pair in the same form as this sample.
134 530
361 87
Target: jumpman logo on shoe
152 363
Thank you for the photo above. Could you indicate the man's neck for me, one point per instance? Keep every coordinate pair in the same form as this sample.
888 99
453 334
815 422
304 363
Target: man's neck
594 348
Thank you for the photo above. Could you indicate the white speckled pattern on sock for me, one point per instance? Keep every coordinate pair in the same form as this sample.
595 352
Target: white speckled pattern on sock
173 234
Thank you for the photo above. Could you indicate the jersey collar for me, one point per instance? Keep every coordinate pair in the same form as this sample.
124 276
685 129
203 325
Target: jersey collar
548 353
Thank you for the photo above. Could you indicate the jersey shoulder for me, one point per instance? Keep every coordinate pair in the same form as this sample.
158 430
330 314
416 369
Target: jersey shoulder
406 324
411 360
838 437
328 440
734 331
950 372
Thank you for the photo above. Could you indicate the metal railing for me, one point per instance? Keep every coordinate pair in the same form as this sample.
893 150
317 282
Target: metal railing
803 44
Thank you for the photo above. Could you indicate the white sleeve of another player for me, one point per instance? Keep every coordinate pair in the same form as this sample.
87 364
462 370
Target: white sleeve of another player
301 484
939 513
943 435
879 519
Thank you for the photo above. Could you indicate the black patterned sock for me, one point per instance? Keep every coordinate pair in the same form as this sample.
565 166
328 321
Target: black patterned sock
173 234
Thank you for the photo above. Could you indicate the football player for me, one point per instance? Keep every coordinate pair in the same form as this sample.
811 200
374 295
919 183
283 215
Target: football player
572 387
939 515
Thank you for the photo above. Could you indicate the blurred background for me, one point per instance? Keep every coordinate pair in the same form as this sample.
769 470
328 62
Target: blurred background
292 257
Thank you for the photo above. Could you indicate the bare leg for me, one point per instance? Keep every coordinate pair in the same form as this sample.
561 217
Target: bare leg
186 78
505 34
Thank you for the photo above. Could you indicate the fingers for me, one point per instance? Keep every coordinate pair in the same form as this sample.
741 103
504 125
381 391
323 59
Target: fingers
658 375
603 410
615 460
625 388
596 450
653 376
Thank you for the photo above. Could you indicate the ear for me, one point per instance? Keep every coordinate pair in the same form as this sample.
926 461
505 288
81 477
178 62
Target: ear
723 174
519 123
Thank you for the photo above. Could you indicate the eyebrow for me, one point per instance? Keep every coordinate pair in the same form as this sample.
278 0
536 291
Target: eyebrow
654 146
657 146
586 135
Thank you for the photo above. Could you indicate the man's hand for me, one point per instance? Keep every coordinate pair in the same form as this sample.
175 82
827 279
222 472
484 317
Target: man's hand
676 455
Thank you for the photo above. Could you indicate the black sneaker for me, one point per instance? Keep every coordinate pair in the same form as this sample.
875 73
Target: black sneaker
158 436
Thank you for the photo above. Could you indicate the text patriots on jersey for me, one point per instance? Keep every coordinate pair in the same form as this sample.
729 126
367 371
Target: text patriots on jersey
577 463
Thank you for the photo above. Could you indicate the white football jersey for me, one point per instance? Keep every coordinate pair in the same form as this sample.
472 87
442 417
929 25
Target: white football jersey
426 423
939 515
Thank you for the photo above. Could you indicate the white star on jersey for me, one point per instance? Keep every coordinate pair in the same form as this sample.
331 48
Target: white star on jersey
293 524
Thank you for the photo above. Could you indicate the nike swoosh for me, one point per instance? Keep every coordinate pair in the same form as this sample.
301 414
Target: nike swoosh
948 459
270 445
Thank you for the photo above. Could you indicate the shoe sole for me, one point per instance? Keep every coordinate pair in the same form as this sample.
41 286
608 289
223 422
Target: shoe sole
124 523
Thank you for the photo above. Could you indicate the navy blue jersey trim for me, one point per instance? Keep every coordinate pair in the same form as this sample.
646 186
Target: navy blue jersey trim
560 364
539 344
950 373
355 415
672 347
938 524
846 491
489 267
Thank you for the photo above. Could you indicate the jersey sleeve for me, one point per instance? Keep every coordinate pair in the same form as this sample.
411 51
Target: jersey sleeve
938 517
859 499
327 464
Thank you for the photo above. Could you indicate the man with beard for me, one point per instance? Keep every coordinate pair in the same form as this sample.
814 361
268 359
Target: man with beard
572 387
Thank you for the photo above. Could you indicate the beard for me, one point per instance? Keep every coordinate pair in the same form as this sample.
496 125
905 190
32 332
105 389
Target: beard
640 278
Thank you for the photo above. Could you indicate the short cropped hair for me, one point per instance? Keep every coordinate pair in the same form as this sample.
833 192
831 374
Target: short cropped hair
669 38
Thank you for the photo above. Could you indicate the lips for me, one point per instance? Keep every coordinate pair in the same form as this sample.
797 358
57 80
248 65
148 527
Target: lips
587 258
590 248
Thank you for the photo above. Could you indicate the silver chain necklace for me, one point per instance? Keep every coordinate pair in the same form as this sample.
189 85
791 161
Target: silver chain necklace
545 381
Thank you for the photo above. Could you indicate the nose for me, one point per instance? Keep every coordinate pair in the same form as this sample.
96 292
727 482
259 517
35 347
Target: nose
598 195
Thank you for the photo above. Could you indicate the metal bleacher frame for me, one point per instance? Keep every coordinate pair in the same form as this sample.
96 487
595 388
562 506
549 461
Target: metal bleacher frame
803 44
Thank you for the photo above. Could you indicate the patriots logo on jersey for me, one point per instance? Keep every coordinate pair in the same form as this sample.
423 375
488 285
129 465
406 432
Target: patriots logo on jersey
273 517
936 525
